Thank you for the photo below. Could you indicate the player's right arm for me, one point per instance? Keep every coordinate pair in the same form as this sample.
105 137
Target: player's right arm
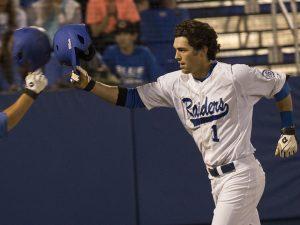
150 95
105 92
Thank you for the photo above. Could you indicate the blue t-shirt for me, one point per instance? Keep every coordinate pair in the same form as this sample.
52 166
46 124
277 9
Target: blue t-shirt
138 68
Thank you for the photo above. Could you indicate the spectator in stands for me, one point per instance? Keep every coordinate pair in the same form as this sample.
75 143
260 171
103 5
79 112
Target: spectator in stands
160 38
51 14
26 3
168 4
102 16
11 17
99 70
142 5
132 64
83 4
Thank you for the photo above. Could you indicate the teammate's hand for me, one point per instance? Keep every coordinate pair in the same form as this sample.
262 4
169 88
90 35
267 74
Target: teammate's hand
287 144
81 79
36 81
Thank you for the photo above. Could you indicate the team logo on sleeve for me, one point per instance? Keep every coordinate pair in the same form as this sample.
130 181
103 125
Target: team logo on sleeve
268 74
203 113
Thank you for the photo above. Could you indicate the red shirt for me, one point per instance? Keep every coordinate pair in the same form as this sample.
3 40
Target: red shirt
97 10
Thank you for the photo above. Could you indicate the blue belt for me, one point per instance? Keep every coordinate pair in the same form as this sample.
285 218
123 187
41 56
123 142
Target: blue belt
225 169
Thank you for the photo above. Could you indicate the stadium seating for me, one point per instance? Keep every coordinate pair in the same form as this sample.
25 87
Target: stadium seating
245 35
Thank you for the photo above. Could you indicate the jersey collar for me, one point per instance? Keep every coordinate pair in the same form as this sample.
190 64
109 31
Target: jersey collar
212 66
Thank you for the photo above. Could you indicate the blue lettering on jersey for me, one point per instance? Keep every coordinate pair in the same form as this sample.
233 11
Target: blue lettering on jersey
208 111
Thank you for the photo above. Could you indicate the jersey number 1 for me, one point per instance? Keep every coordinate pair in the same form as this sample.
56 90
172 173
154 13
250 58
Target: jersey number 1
215 133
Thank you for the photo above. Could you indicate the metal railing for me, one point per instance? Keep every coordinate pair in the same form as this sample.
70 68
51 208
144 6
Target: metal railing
291 19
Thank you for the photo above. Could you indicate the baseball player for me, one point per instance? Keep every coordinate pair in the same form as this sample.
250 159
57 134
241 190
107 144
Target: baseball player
214 101
31 51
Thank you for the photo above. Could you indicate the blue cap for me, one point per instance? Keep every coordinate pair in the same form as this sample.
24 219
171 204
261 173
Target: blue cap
31 48
71 43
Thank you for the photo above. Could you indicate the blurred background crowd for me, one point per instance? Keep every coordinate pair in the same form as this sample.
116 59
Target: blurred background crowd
129 44
134 38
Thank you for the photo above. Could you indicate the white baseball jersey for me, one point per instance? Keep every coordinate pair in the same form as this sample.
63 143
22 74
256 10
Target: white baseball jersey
217 112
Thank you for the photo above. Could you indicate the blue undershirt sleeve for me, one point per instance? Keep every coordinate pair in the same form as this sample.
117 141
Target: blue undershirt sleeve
285 116
133 99
283 93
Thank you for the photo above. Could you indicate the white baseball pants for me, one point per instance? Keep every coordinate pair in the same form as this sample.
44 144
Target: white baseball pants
237 194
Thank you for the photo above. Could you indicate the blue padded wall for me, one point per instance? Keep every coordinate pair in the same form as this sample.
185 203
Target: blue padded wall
70 161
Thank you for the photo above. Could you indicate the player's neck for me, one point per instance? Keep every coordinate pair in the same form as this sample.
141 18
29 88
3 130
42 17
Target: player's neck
202 72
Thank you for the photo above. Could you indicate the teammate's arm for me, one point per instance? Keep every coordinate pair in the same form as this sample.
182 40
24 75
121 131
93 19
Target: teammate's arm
34 84
15 112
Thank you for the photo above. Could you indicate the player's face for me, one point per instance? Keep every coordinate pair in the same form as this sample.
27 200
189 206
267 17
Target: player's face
189 59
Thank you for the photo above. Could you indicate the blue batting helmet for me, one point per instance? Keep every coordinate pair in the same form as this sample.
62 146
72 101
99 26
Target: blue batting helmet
31 48
71 43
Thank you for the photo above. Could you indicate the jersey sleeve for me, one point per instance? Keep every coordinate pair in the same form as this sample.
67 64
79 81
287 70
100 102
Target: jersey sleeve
256 82
156 94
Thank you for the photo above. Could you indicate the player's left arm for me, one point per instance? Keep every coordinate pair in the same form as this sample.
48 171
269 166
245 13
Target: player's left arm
287 144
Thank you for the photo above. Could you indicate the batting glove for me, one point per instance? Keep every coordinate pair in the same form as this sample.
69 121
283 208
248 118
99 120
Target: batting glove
35 83
287 144
82 80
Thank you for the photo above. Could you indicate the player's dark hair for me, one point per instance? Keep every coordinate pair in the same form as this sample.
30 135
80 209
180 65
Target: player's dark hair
199 35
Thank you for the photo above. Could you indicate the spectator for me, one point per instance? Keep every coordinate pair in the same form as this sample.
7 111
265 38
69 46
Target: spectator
83 4
51 14
26 3
142 5
11 17
102 16
168 4
160 38
99 70
7 16
132 64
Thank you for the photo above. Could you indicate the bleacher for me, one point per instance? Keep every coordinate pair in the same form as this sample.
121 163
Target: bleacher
244 29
